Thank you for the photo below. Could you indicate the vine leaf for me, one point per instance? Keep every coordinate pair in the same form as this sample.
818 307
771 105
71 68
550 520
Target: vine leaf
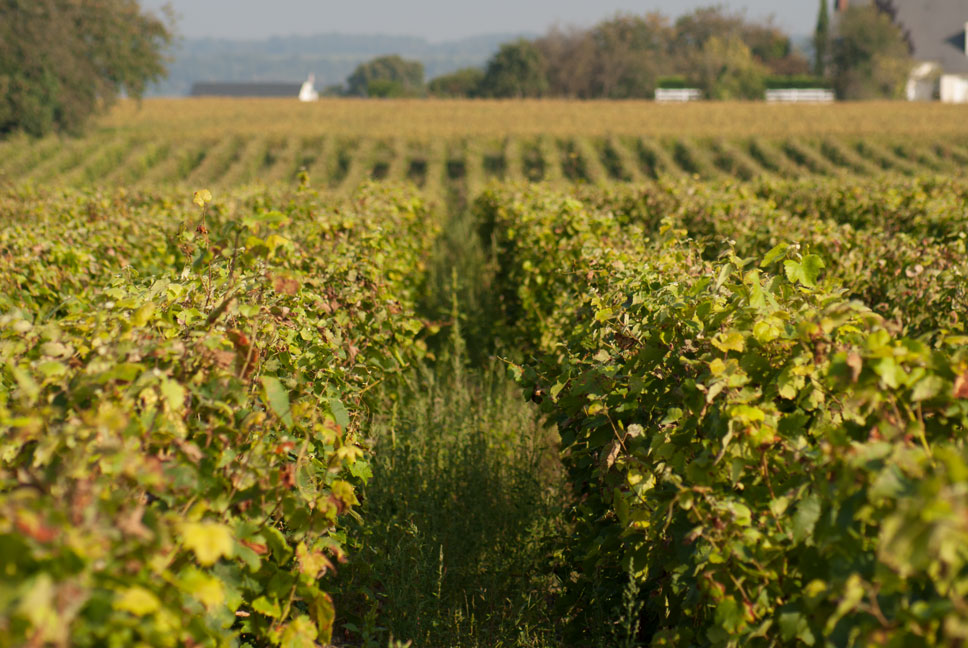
277 398
209 540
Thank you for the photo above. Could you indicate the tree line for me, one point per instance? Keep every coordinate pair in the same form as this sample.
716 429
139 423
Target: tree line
63 60
861 54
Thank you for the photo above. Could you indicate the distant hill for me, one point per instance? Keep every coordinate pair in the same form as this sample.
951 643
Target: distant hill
331 57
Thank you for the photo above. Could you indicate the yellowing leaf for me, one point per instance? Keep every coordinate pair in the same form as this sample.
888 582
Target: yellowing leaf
732 341
209 540
174 394
323 612
717 366
349 453
202 197
746 414
301 633
312 563
207 589
143 315
344 491
766 331
138 601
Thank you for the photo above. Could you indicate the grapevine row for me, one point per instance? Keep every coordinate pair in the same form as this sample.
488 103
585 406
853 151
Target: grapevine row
342 163
754 450
181 393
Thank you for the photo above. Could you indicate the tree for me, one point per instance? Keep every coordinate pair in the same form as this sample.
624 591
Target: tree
768 44
61 61
387 76
462 83
619 58
569 57
516 70
821 40
870 57
630 52
726 69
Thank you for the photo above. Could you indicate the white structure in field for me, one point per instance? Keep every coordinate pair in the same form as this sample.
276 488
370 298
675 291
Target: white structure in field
677 95
800 95
935 29
308 90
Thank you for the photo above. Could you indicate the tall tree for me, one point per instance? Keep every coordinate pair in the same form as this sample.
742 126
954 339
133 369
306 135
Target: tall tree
821 40
61 61
870 57
516 70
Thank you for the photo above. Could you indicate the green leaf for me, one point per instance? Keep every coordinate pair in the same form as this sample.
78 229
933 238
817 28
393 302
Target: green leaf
340 415
262 605
793 625
851 596
730 616
774 254
891 374
812 265
724 273
927 388
277 398
741 513
806 271
52 369
207 589
281 550
805 519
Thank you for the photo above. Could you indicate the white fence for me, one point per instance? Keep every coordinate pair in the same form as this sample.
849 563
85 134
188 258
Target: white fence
800 95
677 94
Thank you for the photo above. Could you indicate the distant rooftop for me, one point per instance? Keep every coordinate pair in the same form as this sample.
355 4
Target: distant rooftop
936 30
246 89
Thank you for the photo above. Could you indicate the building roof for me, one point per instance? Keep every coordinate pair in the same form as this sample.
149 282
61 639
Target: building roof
246 89
936 31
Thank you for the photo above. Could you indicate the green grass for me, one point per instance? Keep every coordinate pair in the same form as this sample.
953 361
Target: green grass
460 517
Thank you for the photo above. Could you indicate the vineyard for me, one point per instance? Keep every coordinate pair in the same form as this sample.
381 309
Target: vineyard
547 387
341 164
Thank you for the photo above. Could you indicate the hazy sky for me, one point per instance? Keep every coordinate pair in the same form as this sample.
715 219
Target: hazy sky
439 19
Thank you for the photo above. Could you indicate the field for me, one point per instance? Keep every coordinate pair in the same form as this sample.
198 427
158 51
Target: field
451 145
532 374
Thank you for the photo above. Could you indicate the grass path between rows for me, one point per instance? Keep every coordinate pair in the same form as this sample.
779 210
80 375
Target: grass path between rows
460 522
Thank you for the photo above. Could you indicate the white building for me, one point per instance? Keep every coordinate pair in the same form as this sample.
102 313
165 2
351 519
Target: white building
308 90
936 31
